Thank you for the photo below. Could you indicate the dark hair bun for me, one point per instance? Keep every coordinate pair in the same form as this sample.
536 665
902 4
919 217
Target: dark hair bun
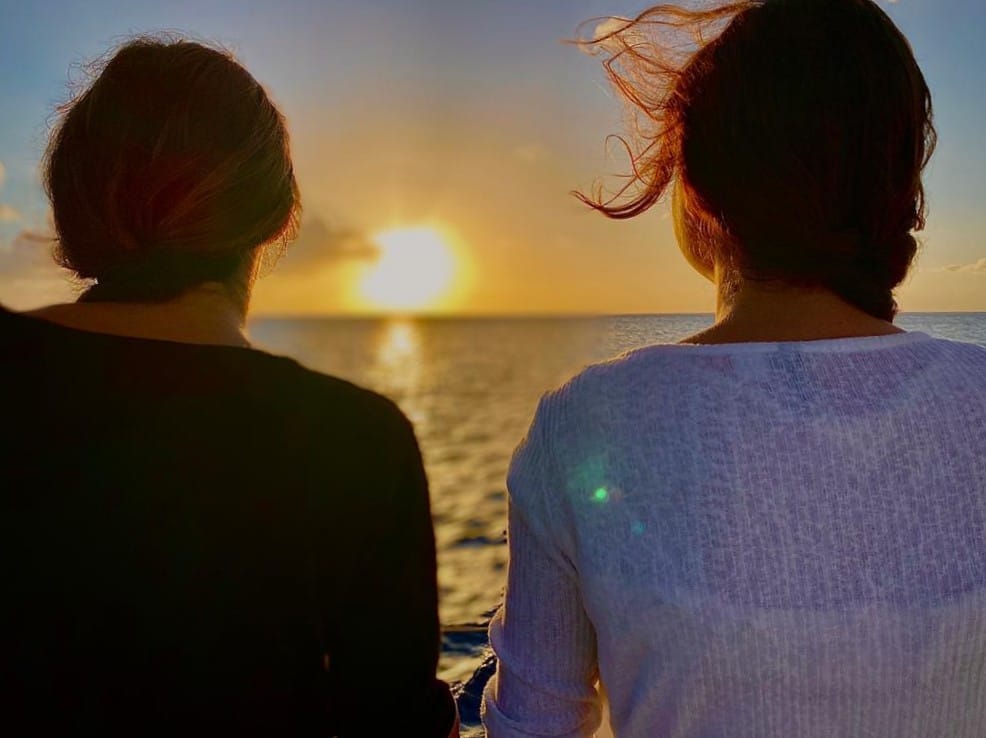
168 171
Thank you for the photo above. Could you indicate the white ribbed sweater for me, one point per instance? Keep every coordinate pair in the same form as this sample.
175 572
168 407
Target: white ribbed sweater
770 540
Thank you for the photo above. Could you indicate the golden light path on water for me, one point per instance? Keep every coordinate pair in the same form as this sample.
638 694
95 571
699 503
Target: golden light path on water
397 365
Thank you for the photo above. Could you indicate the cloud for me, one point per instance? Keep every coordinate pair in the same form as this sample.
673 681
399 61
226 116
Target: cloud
29 277
609 26
320 243
531 153
8 214
27 252
607 36
28 255
977 267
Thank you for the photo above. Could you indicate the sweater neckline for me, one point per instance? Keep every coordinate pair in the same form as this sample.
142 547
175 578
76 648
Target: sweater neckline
824 345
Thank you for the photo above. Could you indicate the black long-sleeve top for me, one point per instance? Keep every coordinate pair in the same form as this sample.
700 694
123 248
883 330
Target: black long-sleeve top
206 538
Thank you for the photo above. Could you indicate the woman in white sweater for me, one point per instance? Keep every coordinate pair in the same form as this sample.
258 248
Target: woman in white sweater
777 527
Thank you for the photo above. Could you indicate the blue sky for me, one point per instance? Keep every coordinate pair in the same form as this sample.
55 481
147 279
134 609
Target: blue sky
472 114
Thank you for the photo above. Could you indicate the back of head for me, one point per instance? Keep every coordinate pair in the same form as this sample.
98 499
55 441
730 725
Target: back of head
167 172
797 136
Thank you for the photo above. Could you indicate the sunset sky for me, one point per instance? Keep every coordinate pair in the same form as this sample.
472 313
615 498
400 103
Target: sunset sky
444 136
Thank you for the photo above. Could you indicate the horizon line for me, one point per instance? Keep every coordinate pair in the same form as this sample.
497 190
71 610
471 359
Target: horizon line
525 316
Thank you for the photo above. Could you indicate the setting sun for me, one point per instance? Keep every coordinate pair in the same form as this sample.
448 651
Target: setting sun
415 269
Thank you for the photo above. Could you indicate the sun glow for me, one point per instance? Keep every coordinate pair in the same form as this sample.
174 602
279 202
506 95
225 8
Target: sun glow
415 270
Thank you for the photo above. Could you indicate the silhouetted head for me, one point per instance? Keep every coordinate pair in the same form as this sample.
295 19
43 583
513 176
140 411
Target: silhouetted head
170 170
794 133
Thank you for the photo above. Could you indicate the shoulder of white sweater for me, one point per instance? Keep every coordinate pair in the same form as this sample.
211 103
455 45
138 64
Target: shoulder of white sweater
663 367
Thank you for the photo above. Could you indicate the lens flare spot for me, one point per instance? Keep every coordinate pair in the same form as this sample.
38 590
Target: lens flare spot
637 528
601 495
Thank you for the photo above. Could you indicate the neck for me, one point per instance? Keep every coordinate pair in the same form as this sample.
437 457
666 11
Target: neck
749 311
206 314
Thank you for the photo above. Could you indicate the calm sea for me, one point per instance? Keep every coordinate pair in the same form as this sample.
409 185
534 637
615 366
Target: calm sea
471 386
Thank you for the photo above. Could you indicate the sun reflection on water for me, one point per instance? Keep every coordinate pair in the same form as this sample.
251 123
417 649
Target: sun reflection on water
398 344
397 364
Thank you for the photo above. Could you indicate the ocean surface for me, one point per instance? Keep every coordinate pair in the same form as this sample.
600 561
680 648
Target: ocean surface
471 386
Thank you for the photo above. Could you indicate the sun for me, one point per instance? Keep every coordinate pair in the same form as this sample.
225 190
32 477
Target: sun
415 270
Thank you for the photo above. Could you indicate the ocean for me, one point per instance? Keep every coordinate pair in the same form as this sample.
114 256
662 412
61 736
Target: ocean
470 385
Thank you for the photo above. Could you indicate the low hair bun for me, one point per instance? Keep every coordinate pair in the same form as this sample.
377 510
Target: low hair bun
879 267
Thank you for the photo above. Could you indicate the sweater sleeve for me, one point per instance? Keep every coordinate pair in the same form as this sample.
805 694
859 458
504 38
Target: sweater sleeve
384 652
542 636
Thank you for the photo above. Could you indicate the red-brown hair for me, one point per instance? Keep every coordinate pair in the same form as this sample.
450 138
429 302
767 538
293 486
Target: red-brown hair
797 130
168 171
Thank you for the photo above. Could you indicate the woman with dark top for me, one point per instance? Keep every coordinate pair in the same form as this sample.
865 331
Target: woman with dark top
196 535
776 527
